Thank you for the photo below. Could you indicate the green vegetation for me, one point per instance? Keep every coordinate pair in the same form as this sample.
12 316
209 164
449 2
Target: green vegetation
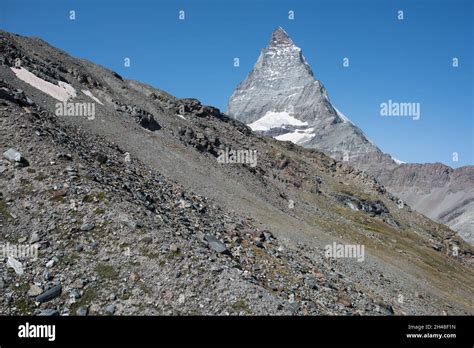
89 295
26 187
146 289
40 177
91 198
147 251
99 211
23 305
106 271
241 306
3 211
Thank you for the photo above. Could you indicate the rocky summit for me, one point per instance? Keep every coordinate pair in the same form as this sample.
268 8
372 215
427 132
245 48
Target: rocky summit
281 98
124 208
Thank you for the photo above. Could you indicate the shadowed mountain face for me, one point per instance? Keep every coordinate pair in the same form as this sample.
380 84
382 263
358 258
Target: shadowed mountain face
281 98
138 206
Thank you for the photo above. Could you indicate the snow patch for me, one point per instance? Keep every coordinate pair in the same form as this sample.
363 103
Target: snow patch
274 119
90 95
397 161
62 92
181 116
298 136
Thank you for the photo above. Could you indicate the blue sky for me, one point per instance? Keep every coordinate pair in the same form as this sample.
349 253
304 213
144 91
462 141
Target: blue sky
405 61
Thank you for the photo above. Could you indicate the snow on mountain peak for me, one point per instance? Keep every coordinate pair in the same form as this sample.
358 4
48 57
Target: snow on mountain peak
273 119
282 80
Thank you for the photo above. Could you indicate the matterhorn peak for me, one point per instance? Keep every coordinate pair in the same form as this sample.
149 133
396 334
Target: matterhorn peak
281 98
280 37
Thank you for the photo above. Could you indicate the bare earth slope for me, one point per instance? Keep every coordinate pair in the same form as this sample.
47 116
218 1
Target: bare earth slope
139 217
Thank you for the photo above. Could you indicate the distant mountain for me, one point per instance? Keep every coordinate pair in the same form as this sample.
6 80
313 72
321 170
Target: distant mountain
280 97
440 192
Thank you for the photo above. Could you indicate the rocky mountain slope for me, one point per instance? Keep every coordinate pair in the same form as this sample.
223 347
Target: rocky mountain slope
133 213
440 192
280 97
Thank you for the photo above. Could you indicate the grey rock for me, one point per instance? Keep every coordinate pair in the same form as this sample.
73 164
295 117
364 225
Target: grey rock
312 283
74 294
50 312
273 287
65 156
385 309
14 156
293 307
110 309
34 290
15 264
47 275
101 158
82 311
87 226
215 244
49 294
35 237
268 235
